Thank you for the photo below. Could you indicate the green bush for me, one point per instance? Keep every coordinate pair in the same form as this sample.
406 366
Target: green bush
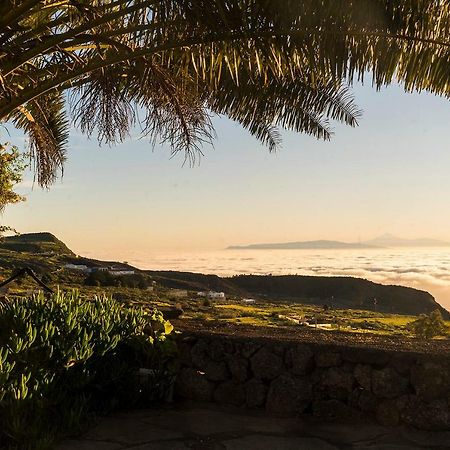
101 278
63 359
427 327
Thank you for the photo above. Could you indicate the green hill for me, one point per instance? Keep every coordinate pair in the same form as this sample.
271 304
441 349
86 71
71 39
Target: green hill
36 243
46 254
340 292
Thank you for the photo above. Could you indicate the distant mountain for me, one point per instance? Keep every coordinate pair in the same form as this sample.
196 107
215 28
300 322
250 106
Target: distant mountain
313 245
388 240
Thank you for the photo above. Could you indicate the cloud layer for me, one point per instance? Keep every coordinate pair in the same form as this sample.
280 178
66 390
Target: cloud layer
424 269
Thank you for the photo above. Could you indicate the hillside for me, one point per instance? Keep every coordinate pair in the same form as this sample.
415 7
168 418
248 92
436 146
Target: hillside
340 292
35 243
343 292
47 255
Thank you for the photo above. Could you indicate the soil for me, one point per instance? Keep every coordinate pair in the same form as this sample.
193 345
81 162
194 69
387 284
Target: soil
314 336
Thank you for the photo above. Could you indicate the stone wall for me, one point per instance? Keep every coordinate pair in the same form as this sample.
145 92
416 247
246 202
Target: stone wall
292 378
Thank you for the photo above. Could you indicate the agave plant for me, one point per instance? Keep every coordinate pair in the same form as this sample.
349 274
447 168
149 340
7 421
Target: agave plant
170 64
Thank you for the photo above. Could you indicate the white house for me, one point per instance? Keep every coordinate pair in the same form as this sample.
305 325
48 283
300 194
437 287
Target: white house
178 293
212 295
248 301
118 273
216 295
80 267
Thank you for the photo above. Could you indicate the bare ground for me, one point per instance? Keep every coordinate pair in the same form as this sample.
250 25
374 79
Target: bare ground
315 336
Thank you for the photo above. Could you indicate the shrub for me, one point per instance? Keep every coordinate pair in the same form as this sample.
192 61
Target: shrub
427 327
101 278
63 359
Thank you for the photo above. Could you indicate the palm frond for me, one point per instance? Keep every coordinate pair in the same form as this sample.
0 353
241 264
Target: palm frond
264 63
45 122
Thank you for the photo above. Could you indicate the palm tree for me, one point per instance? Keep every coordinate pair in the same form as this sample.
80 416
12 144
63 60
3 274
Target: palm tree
168 65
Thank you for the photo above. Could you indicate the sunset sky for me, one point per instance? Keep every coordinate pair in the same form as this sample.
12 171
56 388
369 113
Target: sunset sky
391 174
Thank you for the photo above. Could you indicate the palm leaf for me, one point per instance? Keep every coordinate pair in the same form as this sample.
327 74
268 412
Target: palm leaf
264 63
45 122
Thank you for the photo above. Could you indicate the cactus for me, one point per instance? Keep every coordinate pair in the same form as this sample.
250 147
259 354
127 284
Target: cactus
63 358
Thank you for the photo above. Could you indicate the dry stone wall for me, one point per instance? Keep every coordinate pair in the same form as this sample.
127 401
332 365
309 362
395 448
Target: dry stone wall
291 378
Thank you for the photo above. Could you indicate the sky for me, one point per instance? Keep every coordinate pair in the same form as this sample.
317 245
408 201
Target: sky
389 175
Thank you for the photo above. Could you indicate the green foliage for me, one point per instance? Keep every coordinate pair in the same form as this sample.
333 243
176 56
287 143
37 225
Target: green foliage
12 165
63 358
103 278
427 327
267 65
35 243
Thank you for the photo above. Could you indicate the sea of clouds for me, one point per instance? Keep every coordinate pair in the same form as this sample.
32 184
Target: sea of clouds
425 269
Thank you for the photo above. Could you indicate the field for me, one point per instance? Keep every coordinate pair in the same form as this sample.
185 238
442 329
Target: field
262 313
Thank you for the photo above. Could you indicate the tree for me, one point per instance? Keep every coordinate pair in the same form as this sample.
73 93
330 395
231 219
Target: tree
264 63
12 165
427 327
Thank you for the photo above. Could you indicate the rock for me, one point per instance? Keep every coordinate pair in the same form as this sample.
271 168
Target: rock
184 354
199 354
377 358
402 363
387 383
328 359
387 413
238 367
363 376
266 365
432 415
193 384
277 349
230 393
216 371
430 380
300 359
331 409
255 393
170 313
288 394
338 382
262 442
250 348
367 401
218 349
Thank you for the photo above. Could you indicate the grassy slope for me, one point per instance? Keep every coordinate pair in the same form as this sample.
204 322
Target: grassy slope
272 309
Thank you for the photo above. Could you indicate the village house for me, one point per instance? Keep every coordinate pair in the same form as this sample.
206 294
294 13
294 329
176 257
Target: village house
212 295
81 267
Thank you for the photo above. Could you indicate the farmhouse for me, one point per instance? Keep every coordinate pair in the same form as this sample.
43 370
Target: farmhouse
81 267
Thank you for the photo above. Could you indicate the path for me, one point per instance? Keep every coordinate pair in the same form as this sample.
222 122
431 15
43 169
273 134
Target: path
200 427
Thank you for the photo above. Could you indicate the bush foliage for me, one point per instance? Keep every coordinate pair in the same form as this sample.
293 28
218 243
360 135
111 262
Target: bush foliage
427 327
63 359
137 280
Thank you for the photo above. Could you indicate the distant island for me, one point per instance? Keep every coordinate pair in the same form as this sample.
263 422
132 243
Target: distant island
388 240
322 244
384 241
56 265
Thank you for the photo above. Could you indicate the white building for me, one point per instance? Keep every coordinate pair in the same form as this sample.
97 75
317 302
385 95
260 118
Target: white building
248 301
212 295
178 293
216 295
80 267
118 273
